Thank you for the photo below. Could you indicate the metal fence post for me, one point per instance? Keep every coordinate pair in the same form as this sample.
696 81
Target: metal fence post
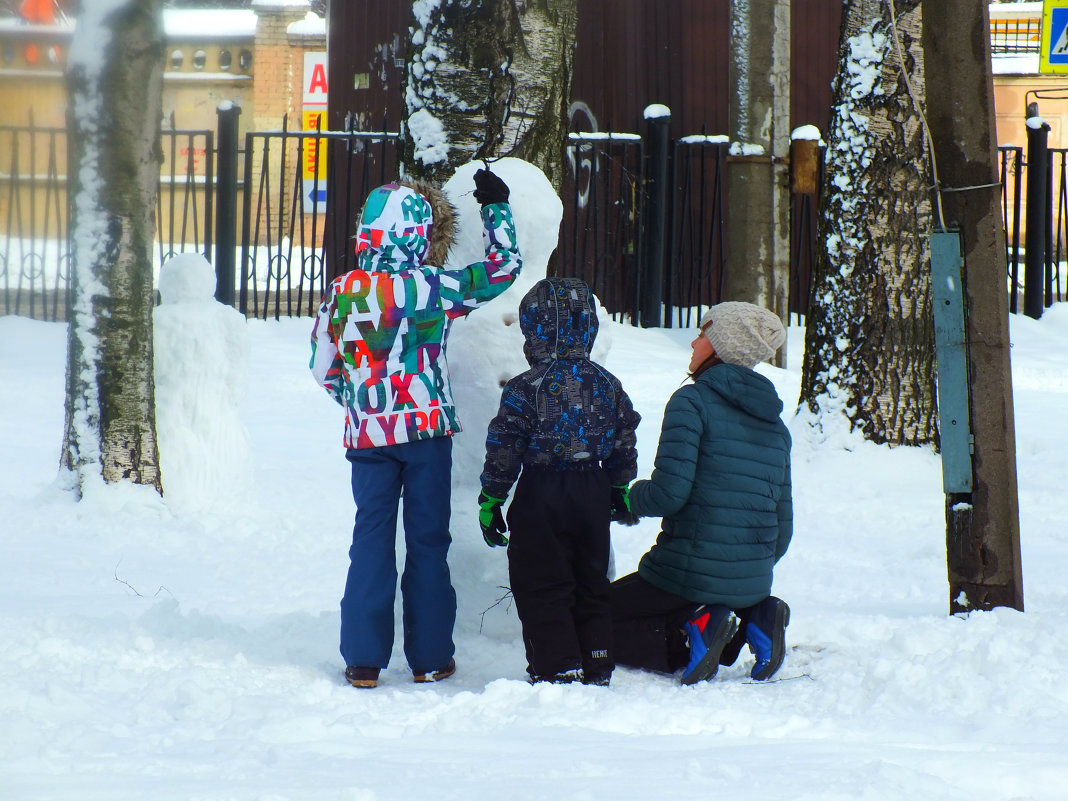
652 281
226 203
1037 215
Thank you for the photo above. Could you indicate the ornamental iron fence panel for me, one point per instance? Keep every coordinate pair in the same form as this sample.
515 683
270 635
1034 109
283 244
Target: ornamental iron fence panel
34 212
286 246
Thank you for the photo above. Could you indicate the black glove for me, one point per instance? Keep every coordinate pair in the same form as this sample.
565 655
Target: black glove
489 188
491 520
619 508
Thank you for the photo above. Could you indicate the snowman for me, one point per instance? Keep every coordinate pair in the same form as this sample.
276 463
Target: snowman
201 373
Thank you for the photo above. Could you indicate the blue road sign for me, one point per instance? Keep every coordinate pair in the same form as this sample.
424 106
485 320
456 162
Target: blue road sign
1058 35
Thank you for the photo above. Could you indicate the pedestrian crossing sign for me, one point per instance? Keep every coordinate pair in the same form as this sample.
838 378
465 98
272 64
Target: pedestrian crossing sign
1054 55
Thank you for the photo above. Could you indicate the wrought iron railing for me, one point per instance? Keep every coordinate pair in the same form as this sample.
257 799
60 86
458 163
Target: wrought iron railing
34 214
290 246
286 247
697 229
601 240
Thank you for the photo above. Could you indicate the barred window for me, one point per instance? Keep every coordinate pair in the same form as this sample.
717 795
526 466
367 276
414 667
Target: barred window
1015 36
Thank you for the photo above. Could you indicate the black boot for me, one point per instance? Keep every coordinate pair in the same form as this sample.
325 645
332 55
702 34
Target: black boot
766 634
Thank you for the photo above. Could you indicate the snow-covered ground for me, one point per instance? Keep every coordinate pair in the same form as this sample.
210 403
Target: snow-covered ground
157 649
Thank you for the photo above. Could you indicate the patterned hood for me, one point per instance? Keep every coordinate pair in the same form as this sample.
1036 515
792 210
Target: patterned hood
394 230
558 318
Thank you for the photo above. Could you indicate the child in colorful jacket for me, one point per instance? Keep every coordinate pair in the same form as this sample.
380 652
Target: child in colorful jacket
566 430
378 347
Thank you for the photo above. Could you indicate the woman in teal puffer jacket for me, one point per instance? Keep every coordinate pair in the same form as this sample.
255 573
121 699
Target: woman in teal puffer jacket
721 483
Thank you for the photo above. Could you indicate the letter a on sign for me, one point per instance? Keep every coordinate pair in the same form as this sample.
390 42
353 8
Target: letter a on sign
318 79
315 79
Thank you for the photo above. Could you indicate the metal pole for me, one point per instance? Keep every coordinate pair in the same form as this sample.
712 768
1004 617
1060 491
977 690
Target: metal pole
652 296
1037 213
226 203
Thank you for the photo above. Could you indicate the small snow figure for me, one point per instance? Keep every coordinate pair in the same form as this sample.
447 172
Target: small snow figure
201 368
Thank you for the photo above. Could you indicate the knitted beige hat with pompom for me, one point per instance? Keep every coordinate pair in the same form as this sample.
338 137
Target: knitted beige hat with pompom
743 333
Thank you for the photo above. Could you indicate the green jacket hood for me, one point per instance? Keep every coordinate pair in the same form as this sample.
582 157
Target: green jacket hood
744 388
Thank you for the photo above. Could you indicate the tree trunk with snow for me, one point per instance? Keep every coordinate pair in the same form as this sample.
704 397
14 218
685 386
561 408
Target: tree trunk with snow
115 79
869 349
488 78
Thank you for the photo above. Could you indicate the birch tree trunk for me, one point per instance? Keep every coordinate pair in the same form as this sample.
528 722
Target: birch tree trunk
115 79
488 78
869 349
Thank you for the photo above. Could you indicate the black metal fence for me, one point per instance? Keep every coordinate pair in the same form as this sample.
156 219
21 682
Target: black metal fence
290 247
266 228
34 256
1056 229
34 215
1010 173
610 237
602 229
1035 209
697 232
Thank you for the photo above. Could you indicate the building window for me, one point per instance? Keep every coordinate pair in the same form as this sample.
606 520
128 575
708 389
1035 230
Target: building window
8 52
225 60
244 60
200 58
177 57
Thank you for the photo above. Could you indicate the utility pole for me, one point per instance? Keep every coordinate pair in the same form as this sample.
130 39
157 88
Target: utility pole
982 526
758 246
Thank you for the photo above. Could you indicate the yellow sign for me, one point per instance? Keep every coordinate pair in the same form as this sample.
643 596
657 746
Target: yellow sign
1053 57
314 149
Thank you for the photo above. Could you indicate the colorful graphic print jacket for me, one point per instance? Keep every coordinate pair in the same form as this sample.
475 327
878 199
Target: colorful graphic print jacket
566 412
378 344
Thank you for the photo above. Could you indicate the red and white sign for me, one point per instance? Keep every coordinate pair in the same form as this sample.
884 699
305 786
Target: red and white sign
315 80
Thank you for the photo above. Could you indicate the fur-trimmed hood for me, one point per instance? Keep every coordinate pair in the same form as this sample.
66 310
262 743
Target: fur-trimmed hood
405 225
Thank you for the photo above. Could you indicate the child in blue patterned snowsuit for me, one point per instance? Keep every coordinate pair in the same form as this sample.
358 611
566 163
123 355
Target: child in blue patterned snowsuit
566 430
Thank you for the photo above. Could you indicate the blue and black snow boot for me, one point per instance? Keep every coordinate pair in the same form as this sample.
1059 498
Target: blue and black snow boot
711 628
766 634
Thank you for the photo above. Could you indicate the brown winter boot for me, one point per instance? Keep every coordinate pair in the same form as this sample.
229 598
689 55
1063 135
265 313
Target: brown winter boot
363 677
437 675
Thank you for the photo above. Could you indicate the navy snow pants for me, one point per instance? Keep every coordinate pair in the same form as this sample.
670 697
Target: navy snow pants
420 472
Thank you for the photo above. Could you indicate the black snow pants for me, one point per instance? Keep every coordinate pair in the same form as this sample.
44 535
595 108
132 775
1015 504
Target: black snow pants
647 626
558 567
